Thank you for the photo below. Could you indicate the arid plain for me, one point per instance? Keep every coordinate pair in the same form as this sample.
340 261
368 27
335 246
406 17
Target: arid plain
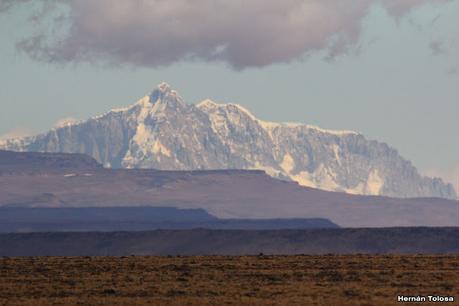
215 280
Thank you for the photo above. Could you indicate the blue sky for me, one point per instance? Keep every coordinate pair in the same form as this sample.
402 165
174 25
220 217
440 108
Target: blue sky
394 78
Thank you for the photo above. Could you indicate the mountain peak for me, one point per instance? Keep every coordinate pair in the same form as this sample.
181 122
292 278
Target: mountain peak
211 105
164 92
207 103
243 110
162 131
164 87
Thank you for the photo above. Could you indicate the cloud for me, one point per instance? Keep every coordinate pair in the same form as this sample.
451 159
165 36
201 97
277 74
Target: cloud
242 33
399 8
18 133
437 47
7 4
453 71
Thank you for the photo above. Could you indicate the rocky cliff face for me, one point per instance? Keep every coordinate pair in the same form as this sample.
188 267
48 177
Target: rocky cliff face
162 131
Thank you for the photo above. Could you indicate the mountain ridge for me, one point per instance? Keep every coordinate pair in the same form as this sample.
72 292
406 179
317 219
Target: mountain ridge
57 180
398 240
162 131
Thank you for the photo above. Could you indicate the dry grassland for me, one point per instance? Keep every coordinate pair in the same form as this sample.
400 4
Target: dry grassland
253 280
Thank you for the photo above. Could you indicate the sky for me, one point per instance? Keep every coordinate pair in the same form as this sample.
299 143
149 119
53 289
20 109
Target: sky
386 68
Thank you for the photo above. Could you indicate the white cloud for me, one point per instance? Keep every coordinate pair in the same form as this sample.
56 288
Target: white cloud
242 33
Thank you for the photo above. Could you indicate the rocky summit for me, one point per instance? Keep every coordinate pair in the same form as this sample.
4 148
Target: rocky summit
162 131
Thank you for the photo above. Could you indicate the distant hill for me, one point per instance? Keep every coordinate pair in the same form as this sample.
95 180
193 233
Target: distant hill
162 131
135 219
234 242
33 162
66 181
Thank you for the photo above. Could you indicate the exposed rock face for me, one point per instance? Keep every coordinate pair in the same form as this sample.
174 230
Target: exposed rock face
162 131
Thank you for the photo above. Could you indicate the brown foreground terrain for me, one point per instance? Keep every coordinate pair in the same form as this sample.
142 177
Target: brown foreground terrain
220 280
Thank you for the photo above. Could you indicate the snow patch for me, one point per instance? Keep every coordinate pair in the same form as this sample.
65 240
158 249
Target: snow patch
159 148
359 189
287 164
336 150
66 122
207 103
142 134
326 178
120 110
218 122
268 169
304 178
322 177
374 183
269 126
331 132
244 110
164 87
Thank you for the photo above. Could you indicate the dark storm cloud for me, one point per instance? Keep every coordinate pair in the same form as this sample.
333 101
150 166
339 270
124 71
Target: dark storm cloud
152 33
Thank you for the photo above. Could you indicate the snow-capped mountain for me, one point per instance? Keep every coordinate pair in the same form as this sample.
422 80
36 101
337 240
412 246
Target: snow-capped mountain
164 132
